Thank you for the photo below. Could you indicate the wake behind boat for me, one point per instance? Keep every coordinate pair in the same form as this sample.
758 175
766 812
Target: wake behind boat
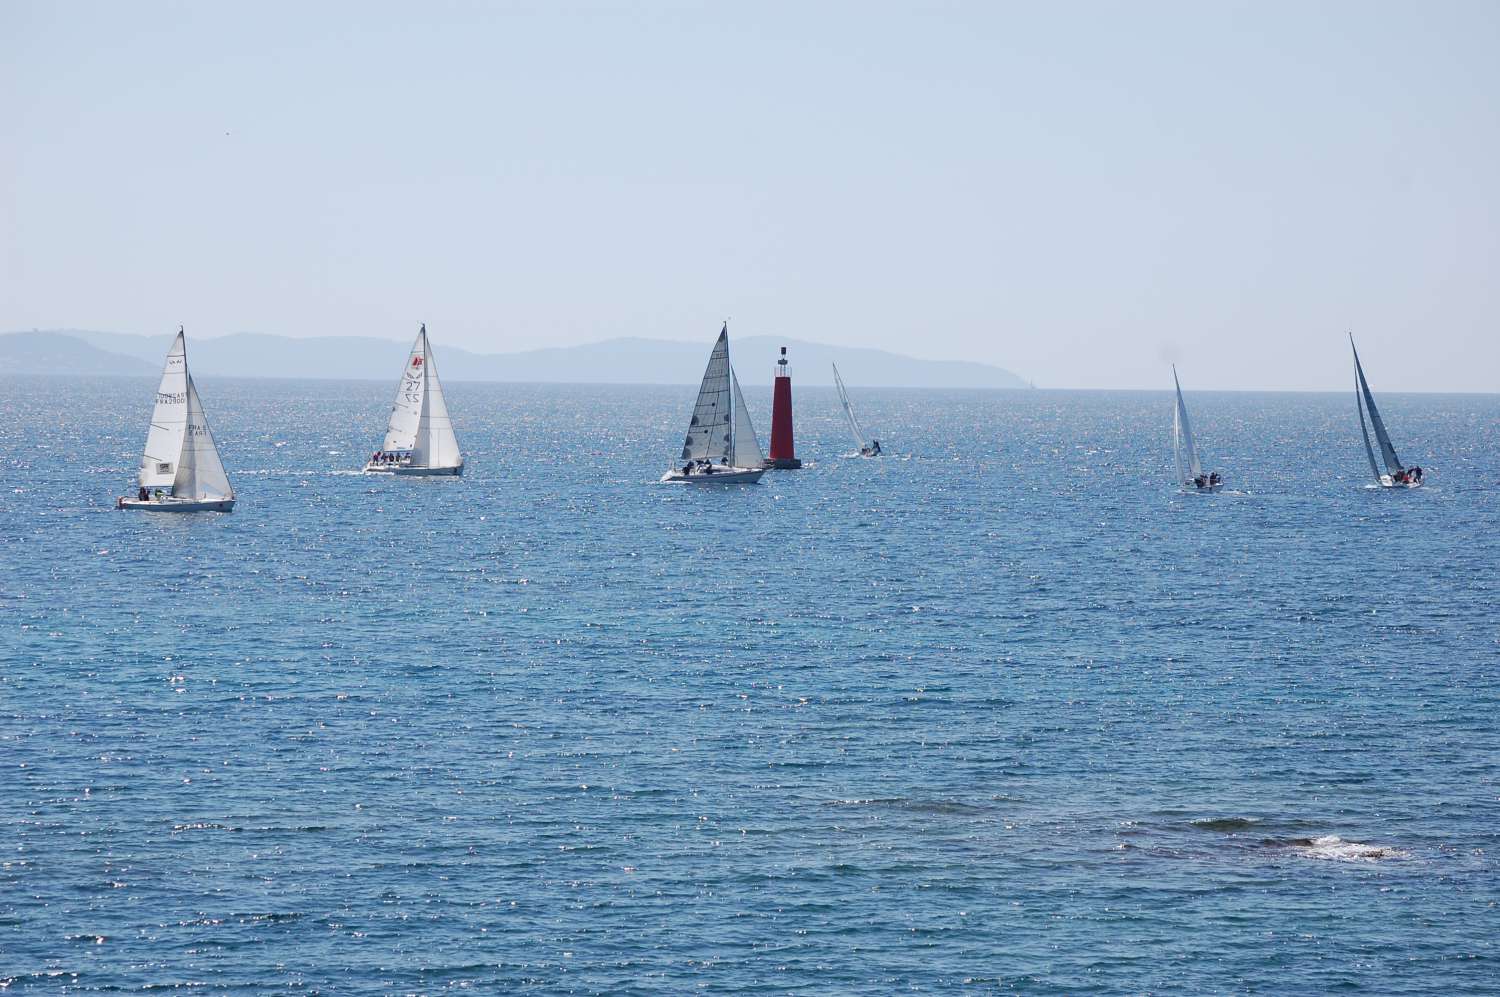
1396 475
870 448
720 448
180 466
419 438
1190 476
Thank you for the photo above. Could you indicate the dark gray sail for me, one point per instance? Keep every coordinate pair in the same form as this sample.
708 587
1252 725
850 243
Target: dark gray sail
1362 395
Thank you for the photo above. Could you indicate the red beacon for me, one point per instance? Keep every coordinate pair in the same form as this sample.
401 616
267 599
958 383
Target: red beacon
783 451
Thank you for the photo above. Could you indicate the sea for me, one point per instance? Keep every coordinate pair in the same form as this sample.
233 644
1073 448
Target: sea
999 712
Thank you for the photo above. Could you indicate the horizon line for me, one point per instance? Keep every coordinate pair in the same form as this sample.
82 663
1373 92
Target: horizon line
688 384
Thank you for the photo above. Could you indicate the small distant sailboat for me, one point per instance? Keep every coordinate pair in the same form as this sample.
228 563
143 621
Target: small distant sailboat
180 466
720 448
1396 475
419 438
869 448
1190 476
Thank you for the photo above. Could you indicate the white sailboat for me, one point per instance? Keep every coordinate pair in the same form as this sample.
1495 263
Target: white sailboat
1395 474
870 448
720 448
180 466
419 438
1190 476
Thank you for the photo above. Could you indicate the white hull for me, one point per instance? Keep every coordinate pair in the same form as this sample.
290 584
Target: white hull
1205 490
728 476
1386 481
411 471
176 505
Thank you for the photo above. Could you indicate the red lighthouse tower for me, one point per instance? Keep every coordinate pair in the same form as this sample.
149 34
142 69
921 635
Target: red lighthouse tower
783 452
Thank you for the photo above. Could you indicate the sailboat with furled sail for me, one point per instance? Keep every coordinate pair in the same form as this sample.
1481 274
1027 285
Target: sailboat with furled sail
1190 476
1395 475
180 466
419 437
720 448
867 448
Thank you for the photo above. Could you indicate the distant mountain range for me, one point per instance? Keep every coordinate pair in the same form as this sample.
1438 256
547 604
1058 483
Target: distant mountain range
612 361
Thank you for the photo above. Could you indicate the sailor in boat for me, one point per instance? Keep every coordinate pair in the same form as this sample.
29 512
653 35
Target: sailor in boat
873 450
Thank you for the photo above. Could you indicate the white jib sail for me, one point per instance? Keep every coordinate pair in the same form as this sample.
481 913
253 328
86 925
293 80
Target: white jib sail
854 427
1184 438
168 419
401 431
746 446
1387 452
434 444
710 434
200 473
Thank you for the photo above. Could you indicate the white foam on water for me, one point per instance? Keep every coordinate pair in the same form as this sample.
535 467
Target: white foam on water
1332 848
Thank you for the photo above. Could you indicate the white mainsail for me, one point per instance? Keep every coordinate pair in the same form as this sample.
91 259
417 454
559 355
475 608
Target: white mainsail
1365 402
406 412
710 434
854 427
200 473
746 452
168 420
1182 438
434 444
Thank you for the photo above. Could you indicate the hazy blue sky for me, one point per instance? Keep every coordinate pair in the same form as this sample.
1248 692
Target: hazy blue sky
1077 191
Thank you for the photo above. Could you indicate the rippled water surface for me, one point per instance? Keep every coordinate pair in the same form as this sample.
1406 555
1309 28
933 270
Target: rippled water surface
1001 711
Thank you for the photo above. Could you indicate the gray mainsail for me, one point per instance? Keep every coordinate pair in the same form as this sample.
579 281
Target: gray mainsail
1365 402
854 426
710 434
1182 438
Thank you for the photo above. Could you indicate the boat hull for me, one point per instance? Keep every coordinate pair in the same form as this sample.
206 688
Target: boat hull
729 476
414 472
1205 490
176 505
1386 481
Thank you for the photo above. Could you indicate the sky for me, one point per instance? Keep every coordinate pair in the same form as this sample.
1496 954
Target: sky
1080 192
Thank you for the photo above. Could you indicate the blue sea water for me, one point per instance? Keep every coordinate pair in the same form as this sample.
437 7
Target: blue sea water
1001 712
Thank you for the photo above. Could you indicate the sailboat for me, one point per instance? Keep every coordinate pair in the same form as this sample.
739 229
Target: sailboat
1190 476
1396 475
180 466
866 449
720 448
419 438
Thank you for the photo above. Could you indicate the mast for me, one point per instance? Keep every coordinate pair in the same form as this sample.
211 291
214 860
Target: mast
421 441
